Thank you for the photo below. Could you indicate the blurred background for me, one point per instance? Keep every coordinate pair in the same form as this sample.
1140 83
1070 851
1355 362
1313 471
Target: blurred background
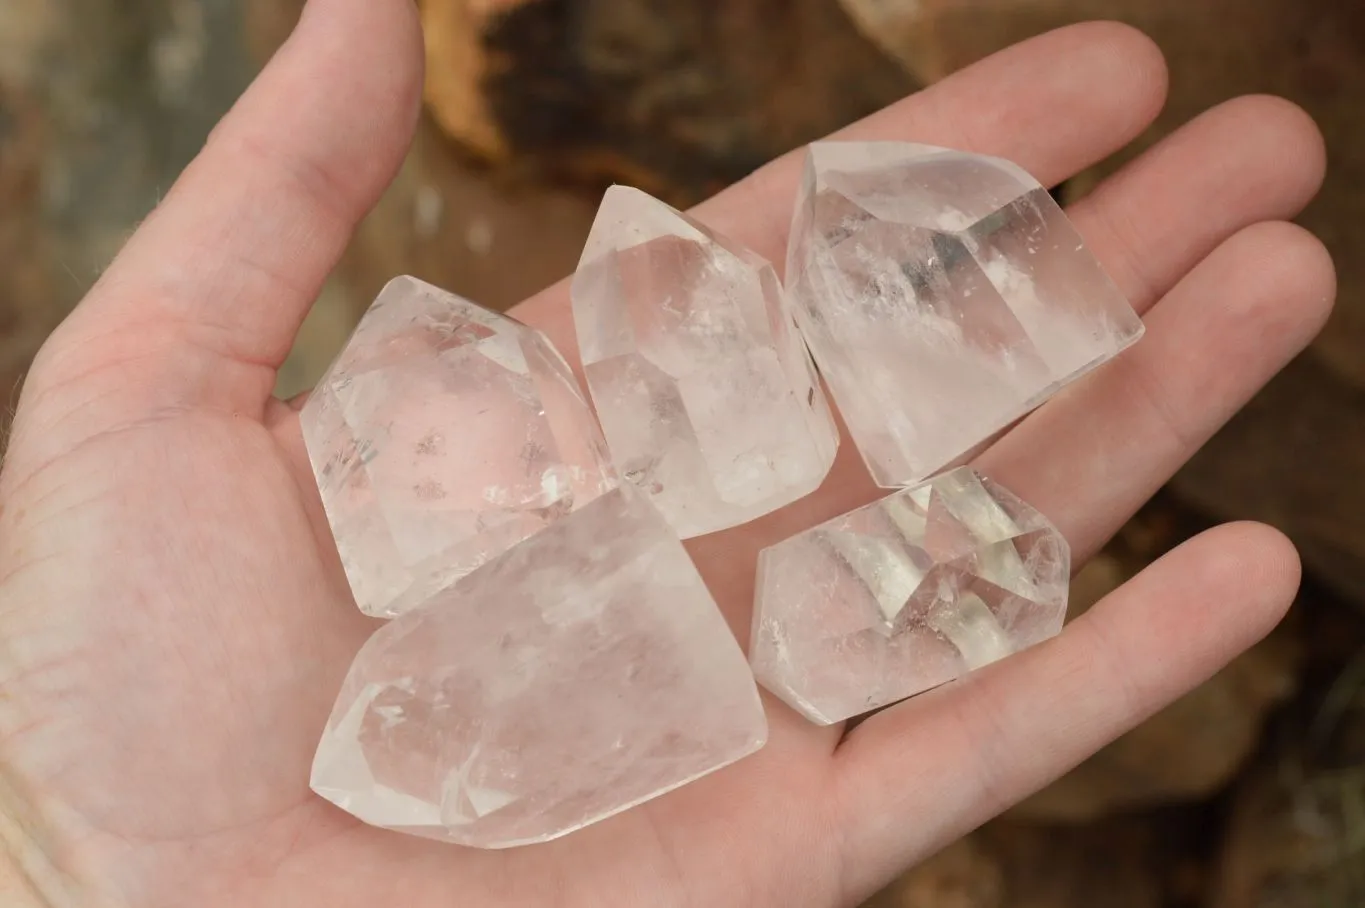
1249 793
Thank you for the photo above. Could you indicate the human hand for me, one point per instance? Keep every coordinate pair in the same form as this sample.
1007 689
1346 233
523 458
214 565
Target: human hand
174 624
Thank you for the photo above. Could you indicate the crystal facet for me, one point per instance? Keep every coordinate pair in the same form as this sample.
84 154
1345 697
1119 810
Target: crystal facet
706 392
444 434
944 295
905 594
578 674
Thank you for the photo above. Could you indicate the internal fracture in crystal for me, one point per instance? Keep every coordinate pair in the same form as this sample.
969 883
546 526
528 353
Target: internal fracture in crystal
443 434
944 295
578 674
706 392
905 594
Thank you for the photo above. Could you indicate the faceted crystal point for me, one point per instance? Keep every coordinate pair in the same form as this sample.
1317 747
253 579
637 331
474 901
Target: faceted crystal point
706 392
944 295
580 673
905 594
444 434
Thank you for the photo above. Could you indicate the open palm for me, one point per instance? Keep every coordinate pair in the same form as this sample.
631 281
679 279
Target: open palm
174 624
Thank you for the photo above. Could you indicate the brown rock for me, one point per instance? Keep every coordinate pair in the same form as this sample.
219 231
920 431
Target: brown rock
1135 862
675 97
491 238
492 235
26 313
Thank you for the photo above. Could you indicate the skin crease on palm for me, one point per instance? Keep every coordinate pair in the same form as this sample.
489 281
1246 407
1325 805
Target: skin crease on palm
174 624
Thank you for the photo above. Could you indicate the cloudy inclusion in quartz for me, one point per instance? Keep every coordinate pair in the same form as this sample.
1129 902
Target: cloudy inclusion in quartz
944 295
444 434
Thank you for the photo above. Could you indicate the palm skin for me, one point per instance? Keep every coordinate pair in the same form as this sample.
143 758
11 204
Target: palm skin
175 624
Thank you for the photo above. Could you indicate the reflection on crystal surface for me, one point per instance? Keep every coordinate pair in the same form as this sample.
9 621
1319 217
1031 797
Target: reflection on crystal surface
905 594
444 434
706 392
944 295
576 675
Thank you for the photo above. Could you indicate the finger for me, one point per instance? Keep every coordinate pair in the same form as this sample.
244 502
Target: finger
229 263
1095 453
922 773
1054 104
1249 160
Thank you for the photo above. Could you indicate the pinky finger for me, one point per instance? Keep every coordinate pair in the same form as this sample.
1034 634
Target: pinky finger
918 775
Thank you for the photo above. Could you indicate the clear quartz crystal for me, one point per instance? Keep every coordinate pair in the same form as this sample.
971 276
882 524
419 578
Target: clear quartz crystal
706 392
580 673
944 295
905 594
444 434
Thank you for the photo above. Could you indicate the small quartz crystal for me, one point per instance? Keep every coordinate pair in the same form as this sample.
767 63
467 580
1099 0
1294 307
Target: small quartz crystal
444 434
944 295
706 392
580 673
905 594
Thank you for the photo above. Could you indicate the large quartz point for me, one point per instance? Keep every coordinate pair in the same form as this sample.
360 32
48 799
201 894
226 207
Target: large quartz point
580 673
444 434
705 389
944 295
905 594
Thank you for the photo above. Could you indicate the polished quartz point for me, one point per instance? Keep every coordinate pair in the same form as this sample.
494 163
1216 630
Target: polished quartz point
444 434
944 295
705 389
580 673
905 594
